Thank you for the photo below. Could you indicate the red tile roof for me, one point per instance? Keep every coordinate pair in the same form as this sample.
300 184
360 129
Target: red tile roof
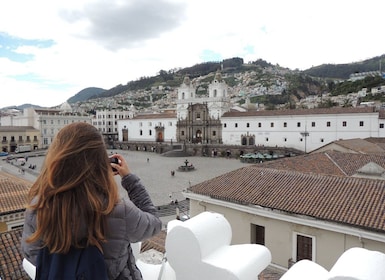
14 193
353 201
330 162
10 255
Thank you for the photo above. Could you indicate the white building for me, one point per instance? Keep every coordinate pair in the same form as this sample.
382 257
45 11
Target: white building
218 101
157 127
303 129
47 121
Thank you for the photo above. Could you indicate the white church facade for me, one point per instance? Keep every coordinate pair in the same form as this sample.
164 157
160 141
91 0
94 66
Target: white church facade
302 129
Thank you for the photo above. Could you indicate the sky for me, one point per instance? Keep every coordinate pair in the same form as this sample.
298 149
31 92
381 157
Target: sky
51 50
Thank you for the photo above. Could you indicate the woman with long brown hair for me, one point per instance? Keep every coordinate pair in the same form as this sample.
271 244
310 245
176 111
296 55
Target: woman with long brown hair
75 203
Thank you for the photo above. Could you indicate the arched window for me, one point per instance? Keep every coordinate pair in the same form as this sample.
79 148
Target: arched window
215 93
244 141
182 95
251 141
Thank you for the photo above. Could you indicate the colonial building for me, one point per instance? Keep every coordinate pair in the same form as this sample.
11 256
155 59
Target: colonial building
106 121
214 119
199 126
156 127
47 121
14 136
218 100
306 207
302 129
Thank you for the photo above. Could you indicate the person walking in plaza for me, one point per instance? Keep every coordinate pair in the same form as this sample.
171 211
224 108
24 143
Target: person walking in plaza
75 203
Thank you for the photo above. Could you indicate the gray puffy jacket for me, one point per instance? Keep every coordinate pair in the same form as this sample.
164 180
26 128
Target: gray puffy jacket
132 220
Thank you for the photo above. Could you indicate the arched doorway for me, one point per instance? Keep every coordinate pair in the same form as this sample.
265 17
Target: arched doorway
198 136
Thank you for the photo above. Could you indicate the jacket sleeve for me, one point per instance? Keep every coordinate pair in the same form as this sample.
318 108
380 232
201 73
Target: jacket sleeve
30 250
140 212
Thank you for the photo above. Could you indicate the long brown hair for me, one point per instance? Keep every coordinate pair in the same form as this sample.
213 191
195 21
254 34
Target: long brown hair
74 191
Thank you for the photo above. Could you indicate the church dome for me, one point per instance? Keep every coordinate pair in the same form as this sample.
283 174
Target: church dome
65 107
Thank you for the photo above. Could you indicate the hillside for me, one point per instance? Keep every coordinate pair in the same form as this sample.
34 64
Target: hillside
281 85
86 94
342 71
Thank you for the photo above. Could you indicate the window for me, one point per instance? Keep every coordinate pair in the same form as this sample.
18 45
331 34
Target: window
150 132
198 116
298 124
224 125
236 125
214 133
149 123
285 124
285 139
267 139
140 132
257 234
344 123
361 123
305 247
20 138
182 132
259 124
247 124
381 125
312 124
271 124
322 140
328 124
169 123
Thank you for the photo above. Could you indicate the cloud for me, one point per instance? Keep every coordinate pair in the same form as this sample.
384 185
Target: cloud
123 24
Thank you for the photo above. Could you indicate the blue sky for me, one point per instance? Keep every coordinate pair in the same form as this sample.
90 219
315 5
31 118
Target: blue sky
50 50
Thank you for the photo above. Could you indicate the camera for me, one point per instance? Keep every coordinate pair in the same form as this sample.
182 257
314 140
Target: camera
114 160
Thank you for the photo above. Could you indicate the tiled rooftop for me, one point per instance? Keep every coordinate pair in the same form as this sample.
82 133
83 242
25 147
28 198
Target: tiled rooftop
353 201
330 163
10 256
14 193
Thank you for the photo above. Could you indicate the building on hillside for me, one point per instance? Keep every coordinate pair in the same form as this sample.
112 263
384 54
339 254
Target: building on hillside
307 207
199 126
13 137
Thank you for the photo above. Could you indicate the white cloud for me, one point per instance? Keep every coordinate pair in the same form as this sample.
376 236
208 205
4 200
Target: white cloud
106 43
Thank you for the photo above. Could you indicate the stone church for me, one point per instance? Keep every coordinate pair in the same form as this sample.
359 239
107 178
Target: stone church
199 118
